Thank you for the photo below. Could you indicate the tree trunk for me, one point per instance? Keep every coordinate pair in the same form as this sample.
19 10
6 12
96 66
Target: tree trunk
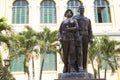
41 69
28 73
105 72
105 76
98 71
33 68
95 72
26 69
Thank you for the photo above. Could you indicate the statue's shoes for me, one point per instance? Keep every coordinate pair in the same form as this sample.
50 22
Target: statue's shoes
72 70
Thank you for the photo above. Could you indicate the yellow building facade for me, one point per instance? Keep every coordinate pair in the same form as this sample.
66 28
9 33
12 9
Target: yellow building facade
102 24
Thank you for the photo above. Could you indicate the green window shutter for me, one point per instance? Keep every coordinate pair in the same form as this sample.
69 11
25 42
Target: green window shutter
17 65
73 5
20 12
102 13
50 62
96 15
47 11
108 19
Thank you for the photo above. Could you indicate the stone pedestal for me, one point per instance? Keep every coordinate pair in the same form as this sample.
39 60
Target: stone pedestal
76 76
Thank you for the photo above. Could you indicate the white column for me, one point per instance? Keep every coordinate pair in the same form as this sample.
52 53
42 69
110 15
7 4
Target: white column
8 15
63 8
34 14
2 8
117 13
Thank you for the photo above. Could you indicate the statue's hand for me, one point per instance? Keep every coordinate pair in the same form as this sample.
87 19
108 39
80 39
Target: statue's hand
91 40
60 47
60 39
67 30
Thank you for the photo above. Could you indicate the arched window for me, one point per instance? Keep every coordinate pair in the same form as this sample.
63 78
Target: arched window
102 12
20 12
47 11
73 5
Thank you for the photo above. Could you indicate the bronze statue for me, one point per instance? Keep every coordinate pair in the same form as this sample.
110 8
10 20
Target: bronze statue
85 31
74 34
68 33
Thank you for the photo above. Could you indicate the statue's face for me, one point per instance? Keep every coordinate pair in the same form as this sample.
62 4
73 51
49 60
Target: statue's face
81 10
69 14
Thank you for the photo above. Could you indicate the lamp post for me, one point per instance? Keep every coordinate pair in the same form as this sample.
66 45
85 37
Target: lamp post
7 62
7 74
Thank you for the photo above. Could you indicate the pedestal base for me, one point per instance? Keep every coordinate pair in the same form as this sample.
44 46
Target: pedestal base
76 76
79 75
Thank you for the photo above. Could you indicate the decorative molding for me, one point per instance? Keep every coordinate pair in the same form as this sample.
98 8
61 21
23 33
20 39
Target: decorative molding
13 1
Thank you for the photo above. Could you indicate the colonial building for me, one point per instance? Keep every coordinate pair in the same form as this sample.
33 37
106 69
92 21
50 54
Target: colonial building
104 16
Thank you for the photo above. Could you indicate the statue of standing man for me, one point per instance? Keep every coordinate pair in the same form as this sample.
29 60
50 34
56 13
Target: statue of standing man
85 31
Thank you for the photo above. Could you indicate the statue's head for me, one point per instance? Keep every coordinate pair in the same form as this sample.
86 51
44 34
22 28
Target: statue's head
81 6
68 13
81 9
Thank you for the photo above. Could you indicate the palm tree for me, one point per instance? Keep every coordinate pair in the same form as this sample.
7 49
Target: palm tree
4 26
5 36
93 50
5 31
8 37
103 50
48 41
27 41
108 53
24 43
